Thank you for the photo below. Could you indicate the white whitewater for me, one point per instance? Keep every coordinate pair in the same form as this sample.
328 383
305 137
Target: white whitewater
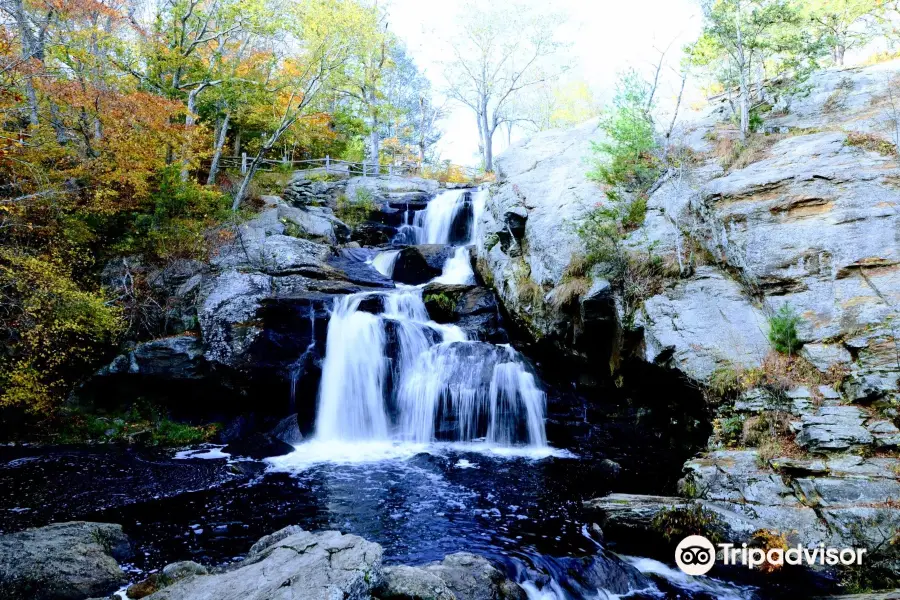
397 376
384 262
458 269
392 378
434 224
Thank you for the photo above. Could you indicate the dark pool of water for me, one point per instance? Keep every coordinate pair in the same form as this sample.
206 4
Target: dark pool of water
519 512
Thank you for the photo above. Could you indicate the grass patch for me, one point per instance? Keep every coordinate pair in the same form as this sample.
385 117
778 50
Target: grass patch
871 142
354 212
142 424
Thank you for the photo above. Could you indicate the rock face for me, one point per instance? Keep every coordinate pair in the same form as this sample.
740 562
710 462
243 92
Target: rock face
63 561
542 193
806 218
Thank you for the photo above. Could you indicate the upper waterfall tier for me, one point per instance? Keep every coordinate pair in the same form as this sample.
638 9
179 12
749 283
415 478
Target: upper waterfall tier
448 219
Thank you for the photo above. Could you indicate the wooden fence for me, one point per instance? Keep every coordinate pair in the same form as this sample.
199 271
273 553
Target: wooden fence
330 165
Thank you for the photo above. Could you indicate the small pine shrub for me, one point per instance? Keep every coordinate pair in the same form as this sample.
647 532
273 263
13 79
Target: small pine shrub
783 330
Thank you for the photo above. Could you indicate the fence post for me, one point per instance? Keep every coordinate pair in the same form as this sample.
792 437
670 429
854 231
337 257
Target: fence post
327 162
243 163
391 170
364 168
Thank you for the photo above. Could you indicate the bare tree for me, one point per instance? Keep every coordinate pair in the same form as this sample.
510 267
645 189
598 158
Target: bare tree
499 52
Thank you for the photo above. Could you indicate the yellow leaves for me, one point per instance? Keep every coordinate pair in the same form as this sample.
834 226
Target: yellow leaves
55 328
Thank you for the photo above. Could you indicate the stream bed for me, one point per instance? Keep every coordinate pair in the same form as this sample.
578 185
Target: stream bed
521 511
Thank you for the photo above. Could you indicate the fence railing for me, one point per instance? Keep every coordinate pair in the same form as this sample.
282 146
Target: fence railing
330 165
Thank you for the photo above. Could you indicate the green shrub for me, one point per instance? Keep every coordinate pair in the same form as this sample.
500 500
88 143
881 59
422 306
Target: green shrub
730 431
626 157
354 212
783 330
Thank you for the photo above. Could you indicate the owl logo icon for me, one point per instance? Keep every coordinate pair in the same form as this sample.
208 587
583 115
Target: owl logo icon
695 555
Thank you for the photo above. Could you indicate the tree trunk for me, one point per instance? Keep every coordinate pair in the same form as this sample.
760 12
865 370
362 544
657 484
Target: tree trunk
237 142
742 76
488 143
374 145
217 154
839 51
188 125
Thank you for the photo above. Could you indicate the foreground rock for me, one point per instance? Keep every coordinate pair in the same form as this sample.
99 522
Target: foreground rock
291 564
63 561
297 564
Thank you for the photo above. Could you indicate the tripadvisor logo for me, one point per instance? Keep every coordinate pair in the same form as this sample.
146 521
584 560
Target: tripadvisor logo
696 555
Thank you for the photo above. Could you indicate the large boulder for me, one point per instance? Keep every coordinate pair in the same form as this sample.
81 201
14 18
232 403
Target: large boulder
63 561
472 577
414 266
703 322
172 358
291 564
526 238
412 583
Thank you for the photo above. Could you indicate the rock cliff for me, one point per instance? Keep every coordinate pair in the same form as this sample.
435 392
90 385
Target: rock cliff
806 215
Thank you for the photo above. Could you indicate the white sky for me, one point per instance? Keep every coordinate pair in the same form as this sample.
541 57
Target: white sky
606 36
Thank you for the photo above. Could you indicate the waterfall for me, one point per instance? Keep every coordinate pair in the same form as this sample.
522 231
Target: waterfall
397 375
466 391
434 224
384 262
299 367
457 269
351 395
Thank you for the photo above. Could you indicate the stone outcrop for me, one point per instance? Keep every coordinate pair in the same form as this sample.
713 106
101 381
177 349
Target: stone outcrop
293 563
806 217
63 561
527 234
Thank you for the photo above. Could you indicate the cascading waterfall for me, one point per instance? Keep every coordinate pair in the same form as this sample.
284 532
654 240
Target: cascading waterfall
384 262
392 374
458 269
434 224
438 385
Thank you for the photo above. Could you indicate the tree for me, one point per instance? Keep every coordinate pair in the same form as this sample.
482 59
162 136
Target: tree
626 156
499 52
324 31
747 37
844 24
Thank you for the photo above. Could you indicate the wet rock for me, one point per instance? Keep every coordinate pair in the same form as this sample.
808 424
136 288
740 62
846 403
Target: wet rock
412 583
598 303
436 255
258 446
413 268
63 561
291 565
288 430
371 233
602 571
472 577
